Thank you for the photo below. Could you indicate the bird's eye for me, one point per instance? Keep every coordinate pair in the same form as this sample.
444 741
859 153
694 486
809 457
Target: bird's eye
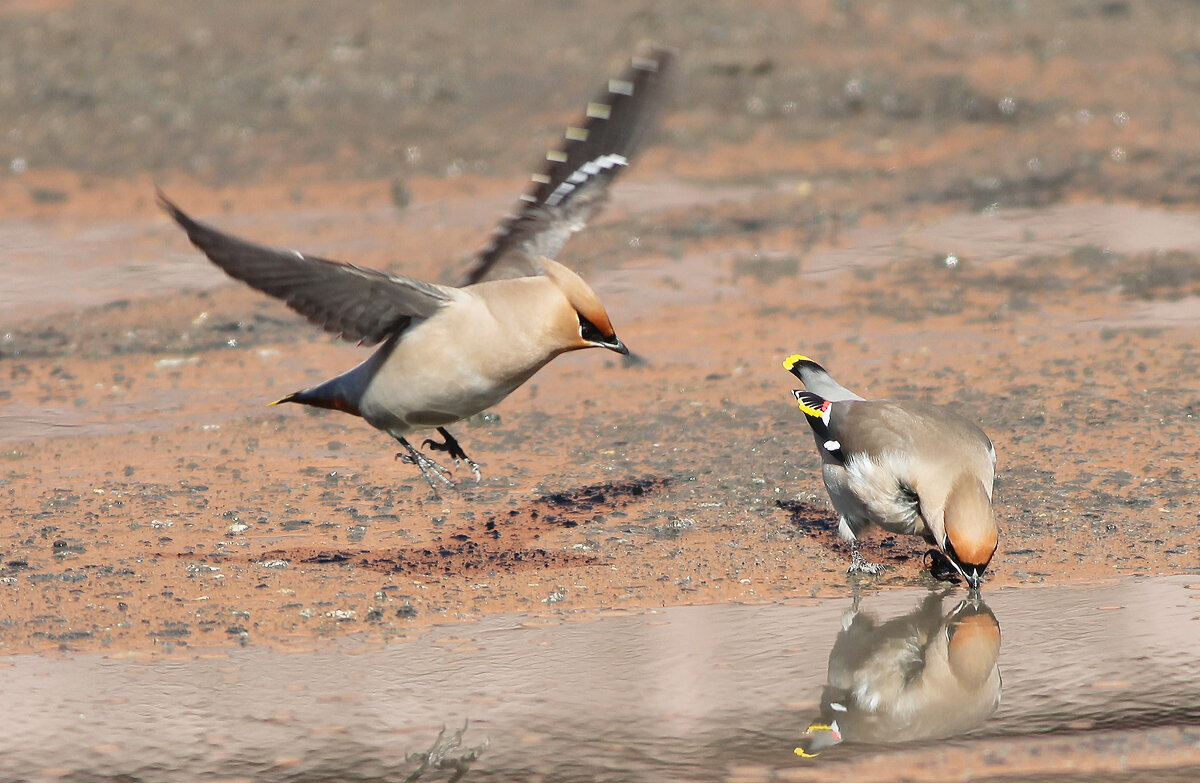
589 332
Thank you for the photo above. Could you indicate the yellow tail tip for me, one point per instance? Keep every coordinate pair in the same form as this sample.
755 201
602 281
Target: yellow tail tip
793 360
288 398
804 754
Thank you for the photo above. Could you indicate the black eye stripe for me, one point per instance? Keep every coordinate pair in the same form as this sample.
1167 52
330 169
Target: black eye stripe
589 332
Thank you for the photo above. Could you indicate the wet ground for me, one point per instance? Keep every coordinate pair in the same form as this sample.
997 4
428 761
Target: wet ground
707 693
988 205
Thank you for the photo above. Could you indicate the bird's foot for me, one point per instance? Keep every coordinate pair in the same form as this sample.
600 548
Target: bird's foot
430 469
860 565
450 446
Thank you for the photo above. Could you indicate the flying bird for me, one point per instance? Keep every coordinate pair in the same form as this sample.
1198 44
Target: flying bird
447 353
909 467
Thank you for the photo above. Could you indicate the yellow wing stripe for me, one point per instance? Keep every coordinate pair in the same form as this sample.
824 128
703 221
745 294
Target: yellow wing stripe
809 410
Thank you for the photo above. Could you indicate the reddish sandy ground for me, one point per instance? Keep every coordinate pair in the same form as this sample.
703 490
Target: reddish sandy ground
993 209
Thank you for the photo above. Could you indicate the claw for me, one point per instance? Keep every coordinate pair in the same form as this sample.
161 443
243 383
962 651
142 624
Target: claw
450 446
429 468
860 565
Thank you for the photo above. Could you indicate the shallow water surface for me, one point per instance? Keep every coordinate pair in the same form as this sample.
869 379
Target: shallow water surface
1090 680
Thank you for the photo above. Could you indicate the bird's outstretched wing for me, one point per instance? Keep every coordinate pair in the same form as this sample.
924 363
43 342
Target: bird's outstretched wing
358 304
573 185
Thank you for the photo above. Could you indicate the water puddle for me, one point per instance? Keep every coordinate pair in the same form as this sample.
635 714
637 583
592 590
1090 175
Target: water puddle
99 262
103 262
92 265
1014 235
1096 681
1060 228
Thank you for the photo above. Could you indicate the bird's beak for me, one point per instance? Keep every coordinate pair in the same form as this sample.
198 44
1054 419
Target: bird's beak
615 344
972 574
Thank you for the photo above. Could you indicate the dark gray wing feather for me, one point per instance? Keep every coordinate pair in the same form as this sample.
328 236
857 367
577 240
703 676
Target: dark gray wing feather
358 304
573 185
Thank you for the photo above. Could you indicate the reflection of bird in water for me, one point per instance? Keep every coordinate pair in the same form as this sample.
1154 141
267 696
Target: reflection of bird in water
923 675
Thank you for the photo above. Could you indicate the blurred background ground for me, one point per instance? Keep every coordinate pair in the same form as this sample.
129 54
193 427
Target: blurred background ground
989 205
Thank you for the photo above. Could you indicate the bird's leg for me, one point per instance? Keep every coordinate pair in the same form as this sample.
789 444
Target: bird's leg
851 613
451 447
429 468
859 564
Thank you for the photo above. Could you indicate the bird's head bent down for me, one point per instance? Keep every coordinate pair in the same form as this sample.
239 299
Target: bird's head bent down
587 325
971 533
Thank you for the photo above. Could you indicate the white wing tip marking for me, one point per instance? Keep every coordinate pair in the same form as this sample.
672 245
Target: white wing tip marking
562 191
620 86
581 175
